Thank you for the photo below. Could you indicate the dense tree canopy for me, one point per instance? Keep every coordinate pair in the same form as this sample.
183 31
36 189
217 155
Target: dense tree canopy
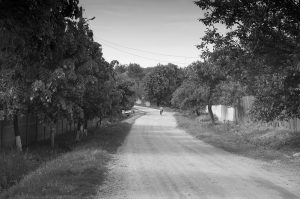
50 65
161 82
261 49
205 80
136 73
188 96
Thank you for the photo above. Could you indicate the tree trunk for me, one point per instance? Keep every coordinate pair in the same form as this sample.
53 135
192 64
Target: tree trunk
52 135
236 114
197 112
78 131
85 126
1 133
100 121
26 129
36 129
211 114
110 113
17 133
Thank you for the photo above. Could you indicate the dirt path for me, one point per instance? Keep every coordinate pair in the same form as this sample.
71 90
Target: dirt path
160 161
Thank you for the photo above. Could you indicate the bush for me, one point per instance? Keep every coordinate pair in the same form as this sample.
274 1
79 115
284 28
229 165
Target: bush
204 117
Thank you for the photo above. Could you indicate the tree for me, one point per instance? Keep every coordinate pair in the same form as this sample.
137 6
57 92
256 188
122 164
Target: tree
266 28
97 72
126 88
266 35
118 68
207 77
160 83
136 73
32 32
188 97
50 65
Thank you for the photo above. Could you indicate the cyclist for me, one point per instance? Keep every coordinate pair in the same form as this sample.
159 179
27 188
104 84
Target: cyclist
161 110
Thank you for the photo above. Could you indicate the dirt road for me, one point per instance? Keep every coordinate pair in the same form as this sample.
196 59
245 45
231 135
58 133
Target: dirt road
158 160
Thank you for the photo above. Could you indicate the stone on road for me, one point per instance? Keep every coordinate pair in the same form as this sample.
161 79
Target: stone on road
158 160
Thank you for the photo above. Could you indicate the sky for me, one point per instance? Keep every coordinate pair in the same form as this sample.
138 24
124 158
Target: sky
146 32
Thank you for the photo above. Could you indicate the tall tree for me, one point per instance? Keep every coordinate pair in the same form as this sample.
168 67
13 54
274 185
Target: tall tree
161 82
207 76
32 32
267 34
189 97
136 73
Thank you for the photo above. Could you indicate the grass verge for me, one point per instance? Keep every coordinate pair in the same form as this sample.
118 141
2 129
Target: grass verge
252 140
78 172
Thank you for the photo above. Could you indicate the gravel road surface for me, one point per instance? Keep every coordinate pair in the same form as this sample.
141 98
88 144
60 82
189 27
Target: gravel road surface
158 160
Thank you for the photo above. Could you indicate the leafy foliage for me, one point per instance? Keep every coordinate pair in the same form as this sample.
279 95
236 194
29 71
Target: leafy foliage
50 64
136 73
204 77
188 97
260 51
126 89
160 83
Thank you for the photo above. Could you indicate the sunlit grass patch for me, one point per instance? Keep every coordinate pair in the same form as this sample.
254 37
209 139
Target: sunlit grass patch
253 140
75 174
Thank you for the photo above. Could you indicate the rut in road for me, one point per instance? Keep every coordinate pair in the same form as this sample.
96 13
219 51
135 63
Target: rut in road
158 160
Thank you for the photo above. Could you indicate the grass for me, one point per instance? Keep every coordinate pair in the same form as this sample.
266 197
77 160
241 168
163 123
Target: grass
251 140
15 165
76 172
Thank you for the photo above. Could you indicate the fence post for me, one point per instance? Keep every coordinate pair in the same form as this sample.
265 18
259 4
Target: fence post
44 132
26 130
1 133
36 129
57 131
62 126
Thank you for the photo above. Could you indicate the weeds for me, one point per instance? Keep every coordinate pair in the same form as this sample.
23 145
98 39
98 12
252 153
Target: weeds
253 140
15 165
75 170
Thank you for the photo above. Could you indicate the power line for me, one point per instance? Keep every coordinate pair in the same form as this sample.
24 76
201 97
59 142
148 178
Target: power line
110 46
146 51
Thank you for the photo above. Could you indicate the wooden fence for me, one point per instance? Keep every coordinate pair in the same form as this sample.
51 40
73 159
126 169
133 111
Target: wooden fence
243 108
243 115
32 131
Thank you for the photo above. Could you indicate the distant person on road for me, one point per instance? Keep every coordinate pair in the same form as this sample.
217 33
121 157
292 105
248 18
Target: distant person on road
161 110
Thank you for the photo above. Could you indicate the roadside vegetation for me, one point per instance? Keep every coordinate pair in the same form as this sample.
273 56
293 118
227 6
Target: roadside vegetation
258 57
249 139
51 67
73 170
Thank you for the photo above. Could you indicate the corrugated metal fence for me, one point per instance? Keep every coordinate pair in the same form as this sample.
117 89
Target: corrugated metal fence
32 131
